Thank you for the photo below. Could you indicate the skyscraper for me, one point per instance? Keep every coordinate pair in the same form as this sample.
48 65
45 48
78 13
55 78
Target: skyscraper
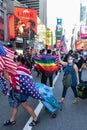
83 19
83 10
40 6
34 4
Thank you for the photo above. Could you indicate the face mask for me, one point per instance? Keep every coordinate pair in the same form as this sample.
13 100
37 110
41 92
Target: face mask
70 61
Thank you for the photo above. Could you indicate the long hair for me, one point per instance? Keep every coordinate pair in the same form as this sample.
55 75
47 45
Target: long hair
23 60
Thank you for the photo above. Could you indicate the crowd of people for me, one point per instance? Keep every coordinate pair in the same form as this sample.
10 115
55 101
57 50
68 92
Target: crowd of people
76 61
73 62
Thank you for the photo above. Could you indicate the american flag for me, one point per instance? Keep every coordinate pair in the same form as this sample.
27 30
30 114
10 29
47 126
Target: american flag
58 61
2 64
6 64
14 79
26 82
2 50
9 51
20 77
6 60
10 65
3 86
63 47
28 87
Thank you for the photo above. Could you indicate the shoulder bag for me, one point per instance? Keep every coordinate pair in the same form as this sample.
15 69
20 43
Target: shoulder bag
67 79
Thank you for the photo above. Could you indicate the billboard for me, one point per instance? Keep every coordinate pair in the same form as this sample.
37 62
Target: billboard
59 21
58 43
59 29
81 45
58 35
11 27
1 25
83 31
25 22
48 37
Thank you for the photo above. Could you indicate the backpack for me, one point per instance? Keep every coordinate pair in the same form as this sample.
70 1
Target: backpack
67 79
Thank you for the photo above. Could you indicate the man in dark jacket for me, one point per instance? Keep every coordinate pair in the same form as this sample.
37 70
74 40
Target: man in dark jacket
79 63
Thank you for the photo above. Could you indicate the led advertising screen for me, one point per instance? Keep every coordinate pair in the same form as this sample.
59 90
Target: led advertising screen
25 22
59 21
1 25
83 31
11 27
81 44
58 43
48 37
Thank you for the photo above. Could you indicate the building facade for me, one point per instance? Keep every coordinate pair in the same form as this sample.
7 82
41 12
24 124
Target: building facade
6 8
3 22
83 10
40 6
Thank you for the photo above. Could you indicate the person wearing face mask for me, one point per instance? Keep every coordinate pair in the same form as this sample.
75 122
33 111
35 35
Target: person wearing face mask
69 65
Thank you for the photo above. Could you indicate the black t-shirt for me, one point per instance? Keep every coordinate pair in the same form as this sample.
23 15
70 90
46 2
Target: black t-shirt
80 62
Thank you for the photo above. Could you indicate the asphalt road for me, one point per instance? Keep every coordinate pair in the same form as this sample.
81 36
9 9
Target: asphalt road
72 116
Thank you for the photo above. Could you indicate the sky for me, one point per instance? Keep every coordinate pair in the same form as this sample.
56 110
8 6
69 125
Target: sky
68 10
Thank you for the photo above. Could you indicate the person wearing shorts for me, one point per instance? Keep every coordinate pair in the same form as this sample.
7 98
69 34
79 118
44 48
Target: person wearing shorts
15 99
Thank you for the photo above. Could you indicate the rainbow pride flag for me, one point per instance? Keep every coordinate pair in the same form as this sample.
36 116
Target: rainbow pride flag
46 64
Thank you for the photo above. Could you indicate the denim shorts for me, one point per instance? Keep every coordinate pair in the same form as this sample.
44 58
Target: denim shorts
23 97
14 98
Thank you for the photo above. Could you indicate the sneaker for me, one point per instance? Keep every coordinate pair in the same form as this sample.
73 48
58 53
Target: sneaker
61 100
75 100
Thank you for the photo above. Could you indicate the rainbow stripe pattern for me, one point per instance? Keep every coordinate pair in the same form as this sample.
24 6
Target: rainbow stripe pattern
46 64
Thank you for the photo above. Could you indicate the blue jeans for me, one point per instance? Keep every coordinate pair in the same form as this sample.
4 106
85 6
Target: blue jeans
74 91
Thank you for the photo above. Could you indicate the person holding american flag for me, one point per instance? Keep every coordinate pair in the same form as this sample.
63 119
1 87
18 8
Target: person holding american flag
17 95
22 86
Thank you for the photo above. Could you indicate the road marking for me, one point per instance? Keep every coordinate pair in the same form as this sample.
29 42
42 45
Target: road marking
37 112
38 108
55 79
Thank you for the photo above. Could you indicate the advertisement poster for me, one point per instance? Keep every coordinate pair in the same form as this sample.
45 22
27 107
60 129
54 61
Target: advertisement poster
83 31
11 27
48 37
1 25
25 22
58 43
81 45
